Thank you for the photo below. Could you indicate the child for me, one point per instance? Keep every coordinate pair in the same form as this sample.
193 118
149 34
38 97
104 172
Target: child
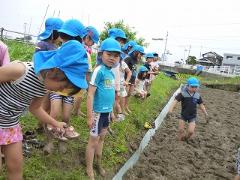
132 60
4 55
61 103
128 47
140 82
90 38
149 59
123 84
49 39
120 36
189 98
23 86
100 100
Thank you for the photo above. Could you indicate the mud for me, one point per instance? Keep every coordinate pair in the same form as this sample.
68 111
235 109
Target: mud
211 154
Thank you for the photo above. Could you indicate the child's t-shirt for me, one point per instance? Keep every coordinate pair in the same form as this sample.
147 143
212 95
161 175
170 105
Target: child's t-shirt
123 67
45 46
103 79
189 103
16 96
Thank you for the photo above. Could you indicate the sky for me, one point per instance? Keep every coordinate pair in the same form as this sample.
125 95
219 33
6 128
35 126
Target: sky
194 26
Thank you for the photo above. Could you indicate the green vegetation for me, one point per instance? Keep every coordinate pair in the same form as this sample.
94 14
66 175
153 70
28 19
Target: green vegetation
19 50
130 33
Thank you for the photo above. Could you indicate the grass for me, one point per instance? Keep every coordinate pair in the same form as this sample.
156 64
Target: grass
20 50
72 164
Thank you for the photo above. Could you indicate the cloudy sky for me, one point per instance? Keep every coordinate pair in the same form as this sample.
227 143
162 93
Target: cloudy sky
194 26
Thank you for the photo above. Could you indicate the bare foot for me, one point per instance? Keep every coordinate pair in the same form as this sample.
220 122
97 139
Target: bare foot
101 171
125 113
90 175
128 110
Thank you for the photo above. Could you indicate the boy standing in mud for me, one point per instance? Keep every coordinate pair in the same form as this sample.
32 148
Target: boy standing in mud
189 98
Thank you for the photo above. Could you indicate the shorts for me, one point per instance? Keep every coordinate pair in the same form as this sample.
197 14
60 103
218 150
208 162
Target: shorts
238 162
11 135
65 99
189 120
123 92
101 121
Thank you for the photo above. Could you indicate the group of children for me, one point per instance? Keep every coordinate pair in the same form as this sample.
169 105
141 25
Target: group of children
62 71
53 85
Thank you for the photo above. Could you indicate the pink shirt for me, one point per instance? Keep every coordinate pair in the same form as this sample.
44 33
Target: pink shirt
4 56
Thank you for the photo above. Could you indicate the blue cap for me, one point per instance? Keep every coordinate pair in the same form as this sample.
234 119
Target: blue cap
110 44
50 25
71 58
93 33
117 33
149 55
137 48
73 27
155 54
142 69
192 81
129 44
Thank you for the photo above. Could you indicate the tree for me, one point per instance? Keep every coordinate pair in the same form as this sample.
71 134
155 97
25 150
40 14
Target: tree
130 33
192 60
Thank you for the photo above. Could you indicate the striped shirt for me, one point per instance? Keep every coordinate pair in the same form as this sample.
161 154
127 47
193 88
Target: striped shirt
16 96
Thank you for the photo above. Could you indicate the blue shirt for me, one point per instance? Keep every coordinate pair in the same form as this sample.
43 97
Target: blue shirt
103 79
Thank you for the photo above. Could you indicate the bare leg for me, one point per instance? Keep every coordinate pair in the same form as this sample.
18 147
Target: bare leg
55 111
237 177
14 160
77 107
191 128
99 153
123 105
0 160
90 151
181 133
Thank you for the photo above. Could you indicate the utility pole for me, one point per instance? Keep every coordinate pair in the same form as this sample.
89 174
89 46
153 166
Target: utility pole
189 50
43 19
165 48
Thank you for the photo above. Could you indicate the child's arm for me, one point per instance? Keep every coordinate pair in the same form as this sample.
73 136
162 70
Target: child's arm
11 72
129 74
90 96
202 107
36 109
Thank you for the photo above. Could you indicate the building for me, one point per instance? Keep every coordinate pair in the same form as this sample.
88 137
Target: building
211 59
231 60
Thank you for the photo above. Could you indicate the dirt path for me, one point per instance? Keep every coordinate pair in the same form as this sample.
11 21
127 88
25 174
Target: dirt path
212 154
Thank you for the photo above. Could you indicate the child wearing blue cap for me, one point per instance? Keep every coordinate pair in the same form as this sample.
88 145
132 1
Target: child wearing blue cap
140 82
132 60
61 102
120 36
90 38
100 101
189 98
23 86
49 39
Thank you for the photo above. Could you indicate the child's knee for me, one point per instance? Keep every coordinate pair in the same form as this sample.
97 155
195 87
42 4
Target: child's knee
14 164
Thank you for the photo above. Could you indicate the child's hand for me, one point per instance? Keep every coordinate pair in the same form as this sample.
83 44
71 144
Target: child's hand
90 123
207 118
61 125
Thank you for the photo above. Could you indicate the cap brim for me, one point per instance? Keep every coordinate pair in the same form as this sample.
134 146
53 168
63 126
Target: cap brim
46 34
68 32
194 85
79 81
